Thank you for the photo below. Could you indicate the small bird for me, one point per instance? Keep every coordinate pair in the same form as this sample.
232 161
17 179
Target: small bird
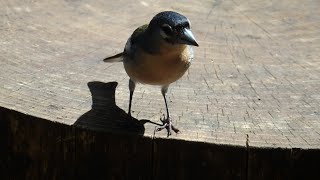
158 53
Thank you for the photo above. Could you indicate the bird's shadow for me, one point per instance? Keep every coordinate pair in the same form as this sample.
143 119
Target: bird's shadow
105 115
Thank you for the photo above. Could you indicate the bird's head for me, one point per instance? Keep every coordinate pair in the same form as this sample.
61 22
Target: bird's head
173 28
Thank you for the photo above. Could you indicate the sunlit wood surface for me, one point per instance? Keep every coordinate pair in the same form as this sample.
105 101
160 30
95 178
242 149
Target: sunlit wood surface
255 79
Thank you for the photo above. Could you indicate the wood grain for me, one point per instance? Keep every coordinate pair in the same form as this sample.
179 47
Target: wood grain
254 80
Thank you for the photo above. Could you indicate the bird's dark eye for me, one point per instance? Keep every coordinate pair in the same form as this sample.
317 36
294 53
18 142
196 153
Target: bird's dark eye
166 29
188 26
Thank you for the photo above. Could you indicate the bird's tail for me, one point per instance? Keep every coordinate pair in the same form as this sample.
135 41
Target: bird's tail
115 58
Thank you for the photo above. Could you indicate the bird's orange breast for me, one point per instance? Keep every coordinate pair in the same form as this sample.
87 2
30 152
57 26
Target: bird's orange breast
159 69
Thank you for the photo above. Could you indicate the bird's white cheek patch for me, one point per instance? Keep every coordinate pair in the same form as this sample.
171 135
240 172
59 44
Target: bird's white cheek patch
163 34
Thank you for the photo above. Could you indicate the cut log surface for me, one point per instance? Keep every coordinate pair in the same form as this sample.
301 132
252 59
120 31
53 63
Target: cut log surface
255 79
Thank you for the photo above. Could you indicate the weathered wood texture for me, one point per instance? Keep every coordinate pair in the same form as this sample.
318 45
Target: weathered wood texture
34 148
255 80
256 71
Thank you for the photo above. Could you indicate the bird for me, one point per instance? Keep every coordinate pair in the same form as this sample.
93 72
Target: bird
158 53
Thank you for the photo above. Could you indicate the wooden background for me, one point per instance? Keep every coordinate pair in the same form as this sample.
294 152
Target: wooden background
254 84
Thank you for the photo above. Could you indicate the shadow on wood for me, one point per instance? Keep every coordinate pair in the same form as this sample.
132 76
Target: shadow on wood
105 115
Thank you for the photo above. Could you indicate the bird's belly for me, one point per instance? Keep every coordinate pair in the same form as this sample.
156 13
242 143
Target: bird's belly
157 70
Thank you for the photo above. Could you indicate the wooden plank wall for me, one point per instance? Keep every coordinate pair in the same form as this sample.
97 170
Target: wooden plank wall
34 148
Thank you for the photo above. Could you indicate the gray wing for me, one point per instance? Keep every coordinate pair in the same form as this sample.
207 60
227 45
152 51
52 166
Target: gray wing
131 46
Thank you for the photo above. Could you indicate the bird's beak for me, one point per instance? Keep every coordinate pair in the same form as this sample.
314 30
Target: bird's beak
187 37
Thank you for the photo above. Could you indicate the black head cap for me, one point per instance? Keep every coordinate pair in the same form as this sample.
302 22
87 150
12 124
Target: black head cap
172 27
171 18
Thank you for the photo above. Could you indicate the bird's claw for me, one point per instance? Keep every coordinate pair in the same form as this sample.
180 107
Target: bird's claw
166 124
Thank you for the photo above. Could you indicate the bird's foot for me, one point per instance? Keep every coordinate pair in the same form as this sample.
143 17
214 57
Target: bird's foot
167 124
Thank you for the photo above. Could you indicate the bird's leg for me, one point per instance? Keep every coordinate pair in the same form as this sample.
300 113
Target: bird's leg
167 122
132 86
